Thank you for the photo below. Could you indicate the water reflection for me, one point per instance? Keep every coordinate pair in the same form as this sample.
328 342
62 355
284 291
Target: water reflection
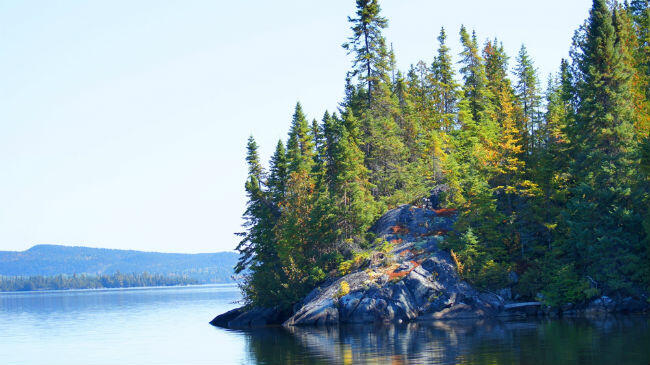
613 340
170 326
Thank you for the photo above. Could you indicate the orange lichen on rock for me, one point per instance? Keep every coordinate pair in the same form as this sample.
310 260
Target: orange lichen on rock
399 230
440 232
446 212
398 275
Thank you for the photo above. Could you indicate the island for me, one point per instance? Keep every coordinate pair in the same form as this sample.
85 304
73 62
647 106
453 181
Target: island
432 194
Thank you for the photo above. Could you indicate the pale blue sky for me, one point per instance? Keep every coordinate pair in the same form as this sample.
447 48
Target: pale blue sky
123 123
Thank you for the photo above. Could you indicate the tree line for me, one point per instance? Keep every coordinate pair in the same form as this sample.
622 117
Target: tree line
84 281
550 183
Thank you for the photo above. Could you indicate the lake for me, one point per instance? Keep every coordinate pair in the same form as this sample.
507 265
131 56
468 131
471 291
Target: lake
170 326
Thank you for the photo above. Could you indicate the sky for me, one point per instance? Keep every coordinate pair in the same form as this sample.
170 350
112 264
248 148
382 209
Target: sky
123 123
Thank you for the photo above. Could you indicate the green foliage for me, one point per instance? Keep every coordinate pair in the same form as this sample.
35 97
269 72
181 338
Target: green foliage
368 45
552 187
475 263
358 261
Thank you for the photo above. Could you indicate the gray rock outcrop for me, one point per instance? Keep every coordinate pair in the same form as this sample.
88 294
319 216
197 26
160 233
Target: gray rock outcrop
415 281
408 278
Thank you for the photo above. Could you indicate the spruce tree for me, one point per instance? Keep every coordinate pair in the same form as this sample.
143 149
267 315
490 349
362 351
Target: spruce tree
277 180
600 218
257 249
354 205
381 136
561 195
367 44
474 77
528 92
445 88
300 145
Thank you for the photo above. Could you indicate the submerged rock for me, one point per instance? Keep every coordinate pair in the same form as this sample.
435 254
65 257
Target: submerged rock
242 318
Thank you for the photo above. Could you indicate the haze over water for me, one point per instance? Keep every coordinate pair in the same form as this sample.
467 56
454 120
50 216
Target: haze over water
170 326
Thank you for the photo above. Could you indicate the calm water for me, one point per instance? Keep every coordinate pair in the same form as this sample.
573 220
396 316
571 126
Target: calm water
170 326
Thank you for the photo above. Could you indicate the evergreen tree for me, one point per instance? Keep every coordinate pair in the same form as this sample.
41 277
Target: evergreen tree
445 88
258 251
528 92
473 72
509 181
600 218
410 119
300 145
277 180
632 26
561 196
367 44
256 205
467 174
354 205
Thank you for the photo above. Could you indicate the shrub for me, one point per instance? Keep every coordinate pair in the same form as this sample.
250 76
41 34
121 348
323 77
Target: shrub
344 289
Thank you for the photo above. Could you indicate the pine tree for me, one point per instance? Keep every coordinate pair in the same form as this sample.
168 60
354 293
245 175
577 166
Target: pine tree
600 215
420 94
445 88
561 195
550 160
277 180
256 205
640 12
354 205
367 44
632 25
296 250
528 92
509 181
467 174
300 145
410 119
473 72
257 249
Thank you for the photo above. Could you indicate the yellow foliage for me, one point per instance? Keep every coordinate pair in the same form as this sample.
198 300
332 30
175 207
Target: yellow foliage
344 289
457 261
345 267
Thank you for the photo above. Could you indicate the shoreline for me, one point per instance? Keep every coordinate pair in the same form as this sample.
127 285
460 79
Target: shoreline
134 288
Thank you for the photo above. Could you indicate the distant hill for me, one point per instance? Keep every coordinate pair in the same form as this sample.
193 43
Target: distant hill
49 260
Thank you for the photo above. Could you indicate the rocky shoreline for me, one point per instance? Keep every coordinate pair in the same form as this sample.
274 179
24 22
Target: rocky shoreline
412 280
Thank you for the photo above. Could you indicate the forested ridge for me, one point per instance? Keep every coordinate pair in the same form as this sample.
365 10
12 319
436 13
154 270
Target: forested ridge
54 264
84 281
550 183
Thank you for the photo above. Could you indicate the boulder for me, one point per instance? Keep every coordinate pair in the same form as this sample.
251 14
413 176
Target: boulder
223 319
409 222
431 290
241 318
601 305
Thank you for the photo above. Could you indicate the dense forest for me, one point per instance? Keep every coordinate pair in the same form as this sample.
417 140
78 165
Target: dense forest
550 183
117 280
